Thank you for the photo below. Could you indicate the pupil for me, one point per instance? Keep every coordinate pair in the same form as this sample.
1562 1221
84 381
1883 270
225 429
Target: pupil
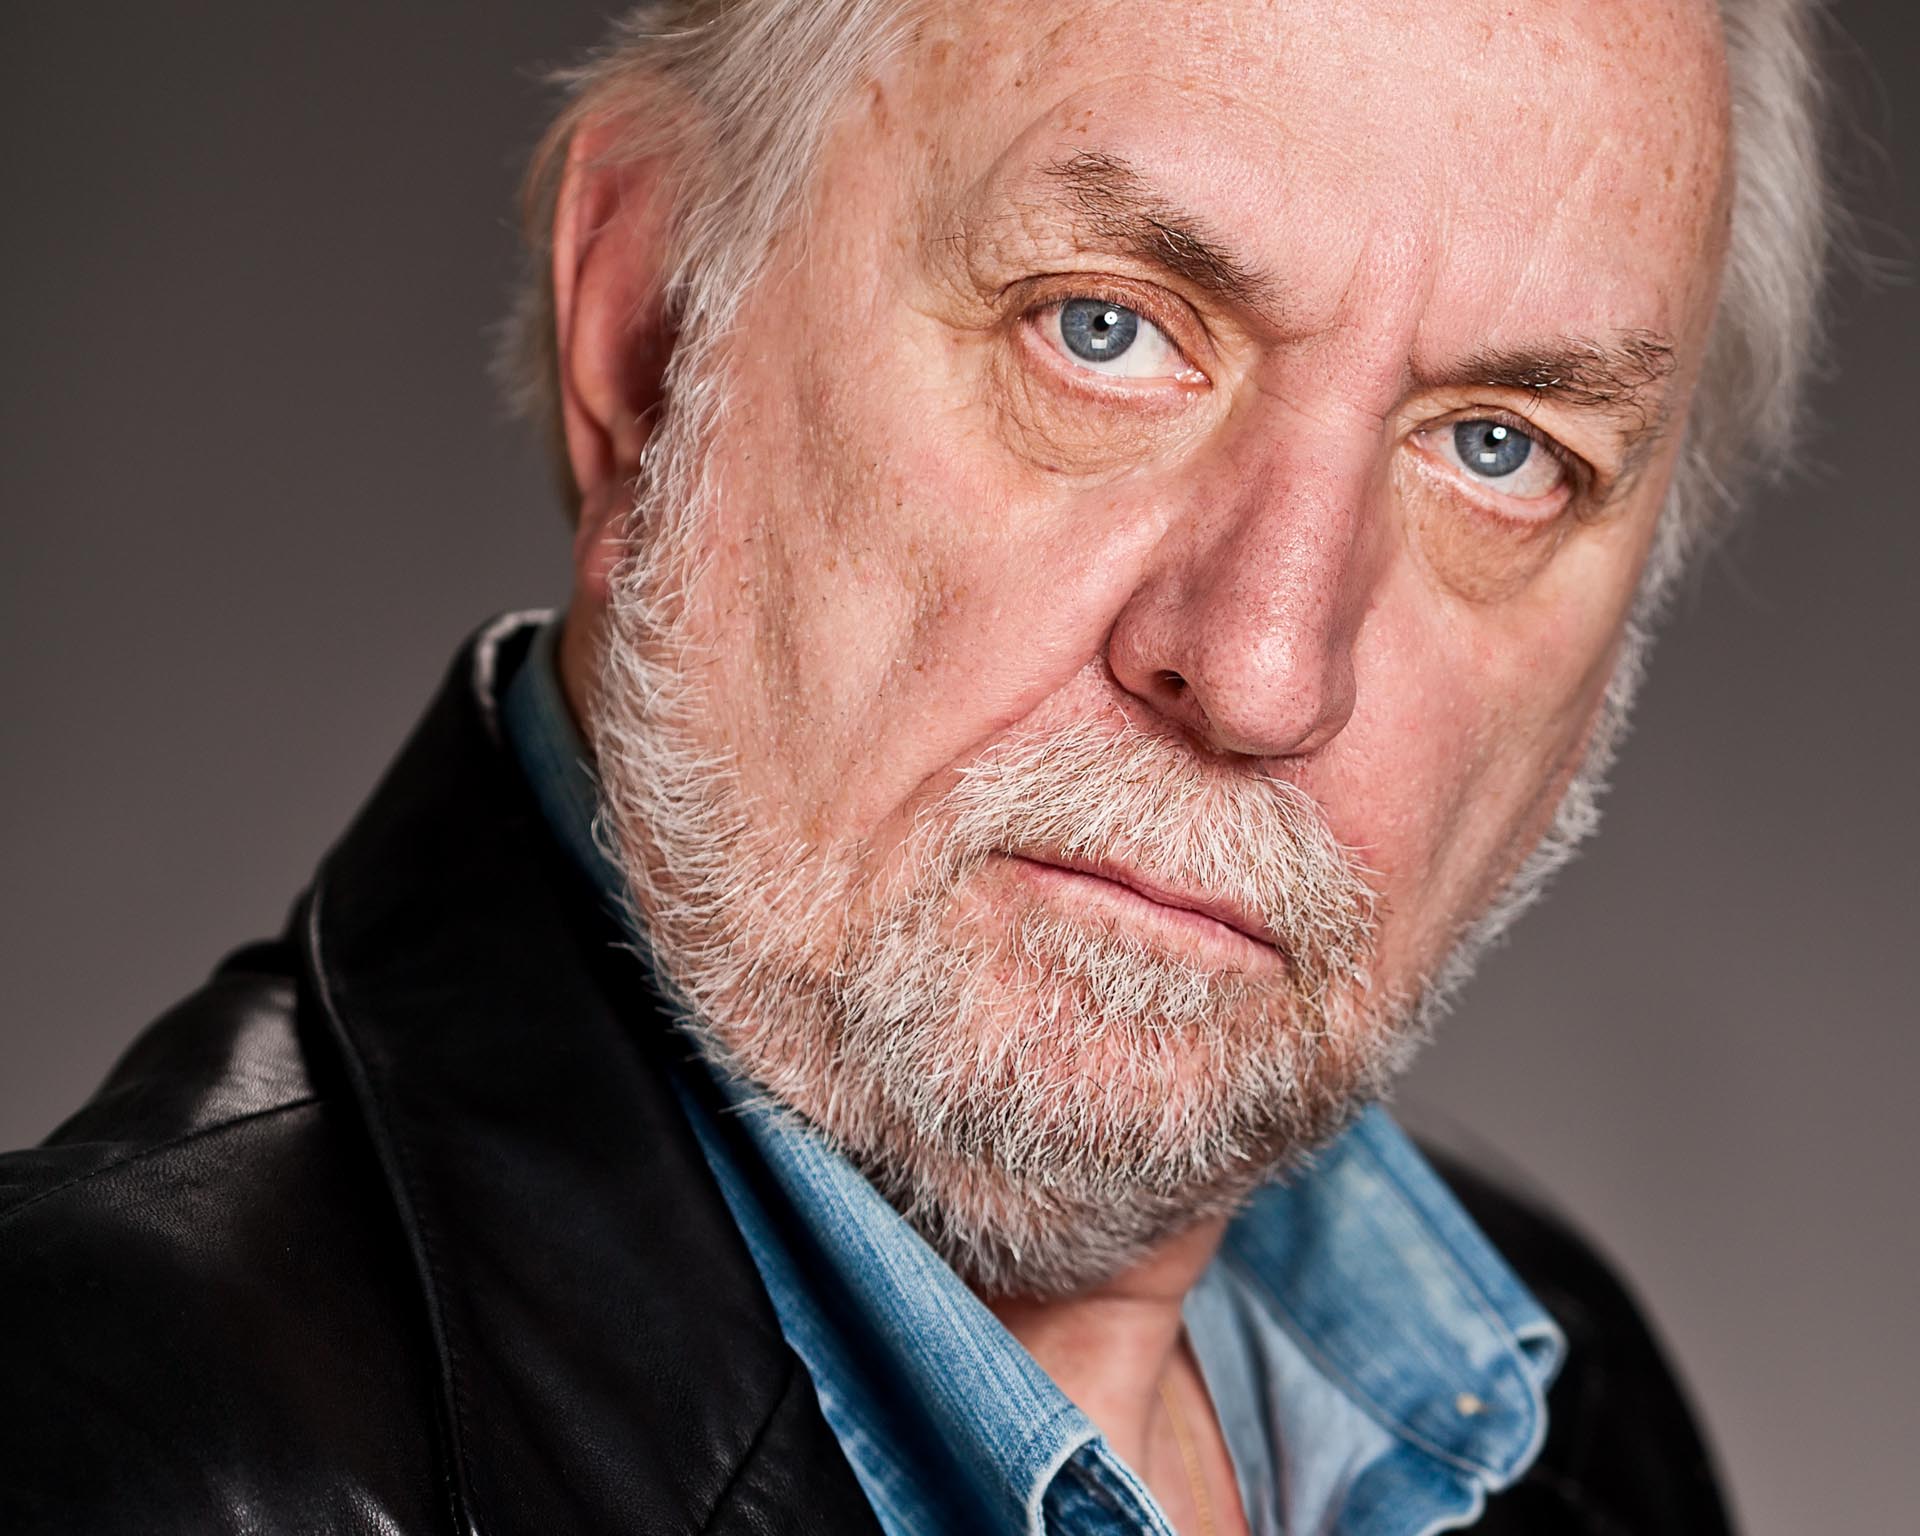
1491 449
1095 330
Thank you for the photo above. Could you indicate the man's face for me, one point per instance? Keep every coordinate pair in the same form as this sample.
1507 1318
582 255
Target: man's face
1284 395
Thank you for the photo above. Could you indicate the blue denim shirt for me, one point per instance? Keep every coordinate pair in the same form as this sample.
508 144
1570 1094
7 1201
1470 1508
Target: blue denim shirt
1376 1367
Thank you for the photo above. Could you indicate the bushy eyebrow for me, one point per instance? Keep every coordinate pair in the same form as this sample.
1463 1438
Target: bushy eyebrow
1620 376
1115 203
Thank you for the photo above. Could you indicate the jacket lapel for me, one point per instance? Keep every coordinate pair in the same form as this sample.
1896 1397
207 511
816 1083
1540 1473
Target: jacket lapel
609 1359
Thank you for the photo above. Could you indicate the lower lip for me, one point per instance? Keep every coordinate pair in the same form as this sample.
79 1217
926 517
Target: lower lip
1181 924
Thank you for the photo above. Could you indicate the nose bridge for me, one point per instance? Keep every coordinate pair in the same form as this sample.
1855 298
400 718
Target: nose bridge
1286 556
1243 632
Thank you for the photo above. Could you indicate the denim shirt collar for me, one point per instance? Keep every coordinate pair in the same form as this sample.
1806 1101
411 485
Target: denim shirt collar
1369 1351
1404 1304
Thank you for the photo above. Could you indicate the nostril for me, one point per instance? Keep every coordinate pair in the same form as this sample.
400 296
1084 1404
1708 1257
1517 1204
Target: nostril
1173 682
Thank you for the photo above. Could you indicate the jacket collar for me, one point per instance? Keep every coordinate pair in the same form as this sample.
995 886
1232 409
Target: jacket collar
608 1358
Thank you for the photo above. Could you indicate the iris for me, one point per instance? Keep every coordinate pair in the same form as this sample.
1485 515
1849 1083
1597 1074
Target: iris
1491 449
1097 330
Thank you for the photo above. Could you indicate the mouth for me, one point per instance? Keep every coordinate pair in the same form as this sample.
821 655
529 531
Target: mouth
1185 915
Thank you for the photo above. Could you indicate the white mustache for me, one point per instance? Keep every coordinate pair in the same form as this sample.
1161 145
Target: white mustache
1112 792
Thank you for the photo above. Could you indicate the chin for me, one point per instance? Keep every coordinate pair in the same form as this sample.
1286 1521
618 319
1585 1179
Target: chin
1046 1099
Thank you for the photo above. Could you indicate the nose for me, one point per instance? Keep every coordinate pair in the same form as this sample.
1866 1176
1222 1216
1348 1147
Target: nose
1242 629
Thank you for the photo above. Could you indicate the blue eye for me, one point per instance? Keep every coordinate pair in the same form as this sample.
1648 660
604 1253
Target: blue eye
1500 458
1490 448
1104 336
1097 331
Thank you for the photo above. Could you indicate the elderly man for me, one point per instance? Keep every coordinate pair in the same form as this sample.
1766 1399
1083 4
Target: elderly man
1112 548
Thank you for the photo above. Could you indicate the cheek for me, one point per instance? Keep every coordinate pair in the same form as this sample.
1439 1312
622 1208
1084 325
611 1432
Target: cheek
911 591
1467 724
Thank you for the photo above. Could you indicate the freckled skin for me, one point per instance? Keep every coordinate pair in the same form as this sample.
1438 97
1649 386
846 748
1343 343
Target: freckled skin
930 530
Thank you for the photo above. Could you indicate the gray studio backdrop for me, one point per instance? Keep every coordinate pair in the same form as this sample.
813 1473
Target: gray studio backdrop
255 488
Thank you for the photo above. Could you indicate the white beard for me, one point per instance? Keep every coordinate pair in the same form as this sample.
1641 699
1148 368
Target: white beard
1045 1098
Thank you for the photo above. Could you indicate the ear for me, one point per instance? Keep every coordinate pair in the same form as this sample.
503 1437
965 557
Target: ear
609 260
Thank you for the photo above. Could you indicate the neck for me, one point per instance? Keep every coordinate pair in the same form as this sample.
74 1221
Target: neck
1109 1348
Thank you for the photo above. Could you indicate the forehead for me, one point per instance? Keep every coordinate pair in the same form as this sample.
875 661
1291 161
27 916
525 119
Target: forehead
1448 166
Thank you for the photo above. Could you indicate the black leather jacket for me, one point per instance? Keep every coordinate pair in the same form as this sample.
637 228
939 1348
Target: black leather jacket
396 1227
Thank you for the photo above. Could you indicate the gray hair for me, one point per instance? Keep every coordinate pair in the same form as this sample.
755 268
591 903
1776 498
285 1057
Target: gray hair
738 97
